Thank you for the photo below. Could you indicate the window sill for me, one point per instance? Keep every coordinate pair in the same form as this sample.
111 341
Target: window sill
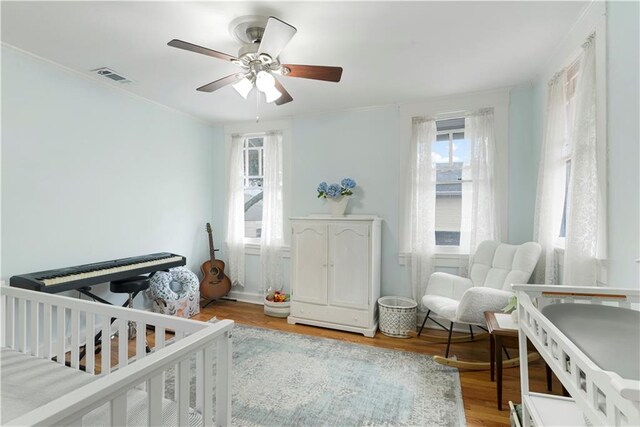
253 249
442 259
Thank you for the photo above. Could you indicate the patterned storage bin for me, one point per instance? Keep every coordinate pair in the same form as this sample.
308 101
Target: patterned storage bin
397 316
176 292
185 307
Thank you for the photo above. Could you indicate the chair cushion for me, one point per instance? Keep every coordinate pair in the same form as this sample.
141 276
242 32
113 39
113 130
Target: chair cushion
442 306
497 265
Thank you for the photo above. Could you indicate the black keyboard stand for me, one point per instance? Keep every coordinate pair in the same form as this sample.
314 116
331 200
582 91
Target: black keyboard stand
98 338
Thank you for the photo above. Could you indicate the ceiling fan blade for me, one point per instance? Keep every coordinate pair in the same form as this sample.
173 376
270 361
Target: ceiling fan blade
199 49
277 35
285 97
233 78
315 72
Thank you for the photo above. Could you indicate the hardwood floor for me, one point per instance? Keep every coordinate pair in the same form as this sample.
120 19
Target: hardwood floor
478 392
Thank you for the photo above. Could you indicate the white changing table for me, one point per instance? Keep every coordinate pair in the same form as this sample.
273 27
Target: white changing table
600 396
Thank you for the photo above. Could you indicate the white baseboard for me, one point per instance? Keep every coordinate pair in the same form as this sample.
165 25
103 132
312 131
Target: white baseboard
250 297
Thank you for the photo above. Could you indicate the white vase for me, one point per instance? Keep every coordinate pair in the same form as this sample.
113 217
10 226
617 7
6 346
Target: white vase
338 205
514 316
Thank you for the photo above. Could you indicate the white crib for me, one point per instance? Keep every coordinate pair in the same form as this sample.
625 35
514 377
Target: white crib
52 327
601 396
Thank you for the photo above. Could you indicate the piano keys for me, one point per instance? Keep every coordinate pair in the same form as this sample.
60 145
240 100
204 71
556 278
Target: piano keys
81 276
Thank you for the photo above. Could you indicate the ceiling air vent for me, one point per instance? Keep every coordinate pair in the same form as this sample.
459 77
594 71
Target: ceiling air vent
111 75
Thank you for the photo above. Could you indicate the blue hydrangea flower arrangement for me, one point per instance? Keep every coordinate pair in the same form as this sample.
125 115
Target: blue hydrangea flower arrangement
334 190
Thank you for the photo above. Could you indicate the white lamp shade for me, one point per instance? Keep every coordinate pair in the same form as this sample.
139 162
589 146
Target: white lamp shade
272 94
243 87
265 81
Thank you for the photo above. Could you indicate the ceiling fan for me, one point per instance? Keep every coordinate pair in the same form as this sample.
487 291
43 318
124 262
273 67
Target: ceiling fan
263 39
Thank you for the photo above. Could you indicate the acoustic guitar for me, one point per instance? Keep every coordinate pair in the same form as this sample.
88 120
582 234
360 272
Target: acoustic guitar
215 284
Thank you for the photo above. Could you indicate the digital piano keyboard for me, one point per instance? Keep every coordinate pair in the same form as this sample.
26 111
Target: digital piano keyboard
81 276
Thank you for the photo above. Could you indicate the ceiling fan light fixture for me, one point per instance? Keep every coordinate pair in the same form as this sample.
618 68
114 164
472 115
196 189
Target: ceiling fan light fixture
262 39
243 87
265 81
272 94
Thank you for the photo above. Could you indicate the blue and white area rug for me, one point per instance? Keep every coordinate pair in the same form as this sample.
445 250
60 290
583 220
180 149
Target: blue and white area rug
285 379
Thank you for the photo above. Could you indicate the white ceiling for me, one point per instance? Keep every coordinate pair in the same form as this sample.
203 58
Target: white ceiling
391 52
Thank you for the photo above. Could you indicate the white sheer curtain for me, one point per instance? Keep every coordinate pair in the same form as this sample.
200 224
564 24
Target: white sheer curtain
235 212
585 243
479 130
272 237
422 205
551 180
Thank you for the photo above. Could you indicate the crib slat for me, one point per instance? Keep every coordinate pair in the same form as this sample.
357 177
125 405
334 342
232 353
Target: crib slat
159 344
106 344
155 385
21 326
176 381
177 336
33 334
183 393
119 410
46 331
75 338
223 380
60 334
199 373
90 348
11 304
160 339
207 387
141 335
123 343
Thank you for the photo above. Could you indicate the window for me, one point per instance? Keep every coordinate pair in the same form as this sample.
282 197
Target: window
257 151
253 158
572 78
451 156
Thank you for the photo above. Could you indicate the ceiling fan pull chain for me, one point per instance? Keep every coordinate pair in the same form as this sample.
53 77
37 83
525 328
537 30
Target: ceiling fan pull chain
257 106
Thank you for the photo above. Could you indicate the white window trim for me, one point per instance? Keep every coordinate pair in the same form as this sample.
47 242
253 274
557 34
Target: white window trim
451 107
252 245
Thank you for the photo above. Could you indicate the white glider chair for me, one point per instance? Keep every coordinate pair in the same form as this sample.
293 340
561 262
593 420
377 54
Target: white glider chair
464 300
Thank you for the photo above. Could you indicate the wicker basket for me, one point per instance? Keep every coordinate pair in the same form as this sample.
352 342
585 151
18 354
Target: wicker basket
277 309
397 316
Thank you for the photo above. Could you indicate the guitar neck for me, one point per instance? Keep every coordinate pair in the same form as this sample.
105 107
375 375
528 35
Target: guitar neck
212 252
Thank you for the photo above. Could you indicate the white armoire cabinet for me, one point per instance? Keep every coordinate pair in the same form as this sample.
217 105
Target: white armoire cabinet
335 272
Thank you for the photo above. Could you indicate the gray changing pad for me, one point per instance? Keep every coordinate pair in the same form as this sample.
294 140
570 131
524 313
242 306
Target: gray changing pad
609 336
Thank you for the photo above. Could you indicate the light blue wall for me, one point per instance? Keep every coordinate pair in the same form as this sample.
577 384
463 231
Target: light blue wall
623 20
362 145
92 173
218 186
522 168
365 145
